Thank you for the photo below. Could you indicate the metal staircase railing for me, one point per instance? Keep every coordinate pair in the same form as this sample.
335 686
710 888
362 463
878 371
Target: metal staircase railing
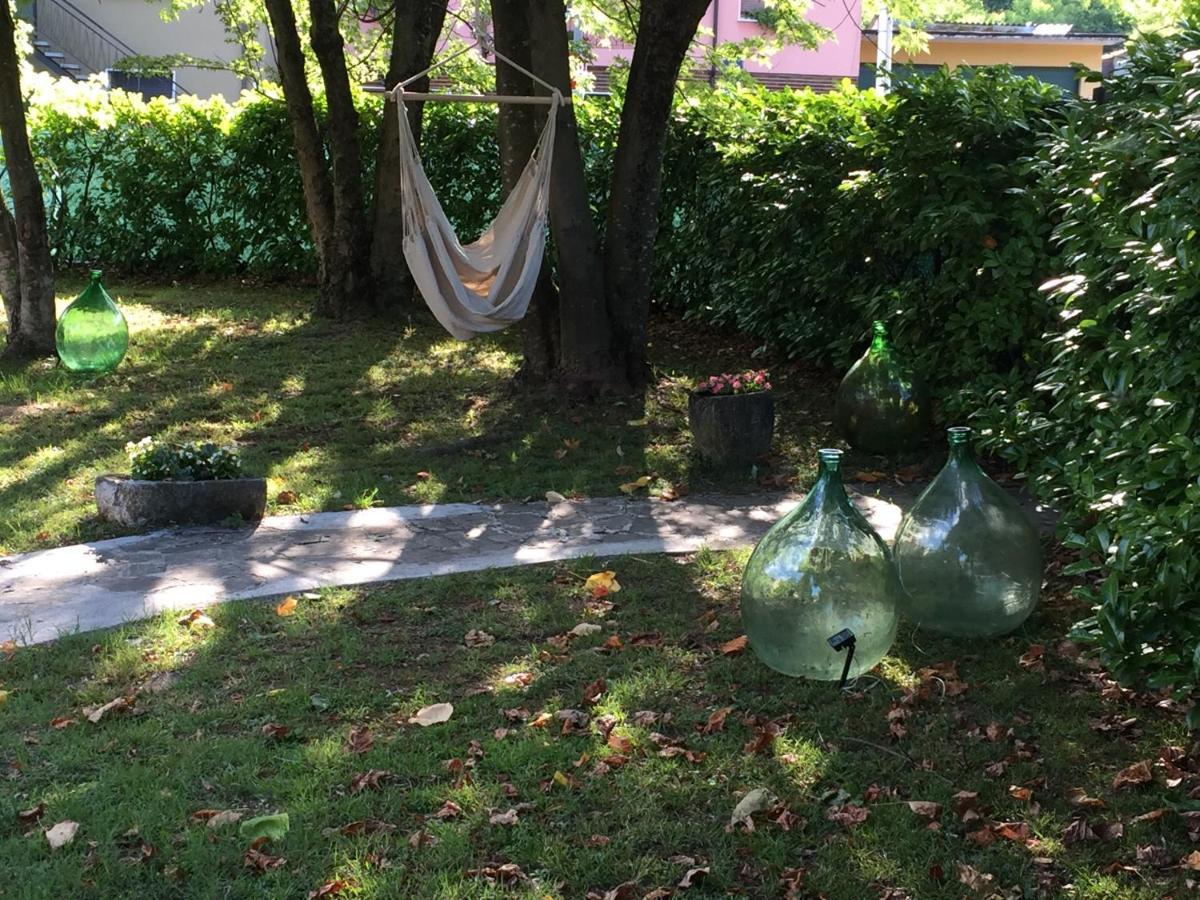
69 29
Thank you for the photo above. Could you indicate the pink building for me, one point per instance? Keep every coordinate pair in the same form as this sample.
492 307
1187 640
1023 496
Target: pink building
732 20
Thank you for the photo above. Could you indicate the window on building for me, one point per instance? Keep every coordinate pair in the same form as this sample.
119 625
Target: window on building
146 85
750 9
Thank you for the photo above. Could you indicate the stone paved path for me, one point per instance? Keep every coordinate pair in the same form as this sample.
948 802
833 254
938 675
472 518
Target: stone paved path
105 583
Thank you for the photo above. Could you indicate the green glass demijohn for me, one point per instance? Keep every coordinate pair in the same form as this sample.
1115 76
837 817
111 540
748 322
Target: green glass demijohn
882 407
819 570
92 334
969 558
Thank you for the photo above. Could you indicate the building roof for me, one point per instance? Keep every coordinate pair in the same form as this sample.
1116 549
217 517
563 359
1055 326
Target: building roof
977 31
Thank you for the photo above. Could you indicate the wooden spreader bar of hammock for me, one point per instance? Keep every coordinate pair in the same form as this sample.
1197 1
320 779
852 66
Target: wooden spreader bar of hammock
435 97
399 92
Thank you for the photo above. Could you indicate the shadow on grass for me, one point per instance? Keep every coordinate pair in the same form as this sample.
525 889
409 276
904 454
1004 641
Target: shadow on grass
592 810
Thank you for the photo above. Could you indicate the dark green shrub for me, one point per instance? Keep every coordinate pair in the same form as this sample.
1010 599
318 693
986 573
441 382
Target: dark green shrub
1110 433
800 218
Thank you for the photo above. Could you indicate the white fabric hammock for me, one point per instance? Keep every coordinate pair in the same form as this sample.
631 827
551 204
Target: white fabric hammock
487 285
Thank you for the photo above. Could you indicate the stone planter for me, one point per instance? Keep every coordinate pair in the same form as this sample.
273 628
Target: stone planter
142 504
732 429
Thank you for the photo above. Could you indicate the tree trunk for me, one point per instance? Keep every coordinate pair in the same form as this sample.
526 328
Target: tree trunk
306 138
415 32
518 131
665 31
26 273
348 271
587 361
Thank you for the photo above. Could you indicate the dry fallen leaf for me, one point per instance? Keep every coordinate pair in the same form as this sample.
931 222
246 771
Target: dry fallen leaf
1191 861
61 834
95 714
286 498
755 800
287 607
972 877
508 817
260 862
1138 773
224 817
1078 797
599 584
330 888
3 697
716 721
692 876
360 739
477 638
197 620
849 815
594 691
432 715
630 486
926 809
583 629
369 780
275 731
735 646
29 816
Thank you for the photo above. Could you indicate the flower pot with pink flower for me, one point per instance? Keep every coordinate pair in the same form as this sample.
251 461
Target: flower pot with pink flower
732 417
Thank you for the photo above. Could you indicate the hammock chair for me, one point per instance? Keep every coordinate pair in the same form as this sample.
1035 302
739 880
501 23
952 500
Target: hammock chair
487 285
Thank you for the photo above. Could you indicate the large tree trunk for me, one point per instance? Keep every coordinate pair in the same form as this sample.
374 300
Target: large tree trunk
518 133
306 138
26 273
415 31
348 271
665 31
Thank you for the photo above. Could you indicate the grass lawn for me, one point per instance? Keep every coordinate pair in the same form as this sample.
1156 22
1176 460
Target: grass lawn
386 412
308 714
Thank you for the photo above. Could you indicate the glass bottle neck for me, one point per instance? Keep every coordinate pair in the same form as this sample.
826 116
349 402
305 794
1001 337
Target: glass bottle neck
879 339
829 492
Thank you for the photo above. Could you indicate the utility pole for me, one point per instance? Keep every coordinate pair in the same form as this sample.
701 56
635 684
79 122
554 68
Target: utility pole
883 52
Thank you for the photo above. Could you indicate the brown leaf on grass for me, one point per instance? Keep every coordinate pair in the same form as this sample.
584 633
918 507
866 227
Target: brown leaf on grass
197 620
58 723
983 837
849 815
287 607
599 840
1110 831
792 881
1020 793
432 715
735 646
627 890
1191 862
507 874
594 691
646 639
620 742
368 781
517 714
275 731
422 838
612 643
286 498
692 876
645 717
332 888
449 810
1078 832
926 809
1154 855
541 720
477 638
515 679
1078 797
972 877
1153 816
361 826
965 802
996 769
508 817
1032 658
1017 832
716 721
96 713
359 739
764 737
574 721
261 862
1138 773
601 584
8 649
29 816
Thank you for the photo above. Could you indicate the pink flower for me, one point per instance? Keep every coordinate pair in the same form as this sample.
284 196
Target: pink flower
737 385
758 379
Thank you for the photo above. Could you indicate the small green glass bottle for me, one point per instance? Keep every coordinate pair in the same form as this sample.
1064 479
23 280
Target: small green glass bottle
92 334
819 570
882 407
969 559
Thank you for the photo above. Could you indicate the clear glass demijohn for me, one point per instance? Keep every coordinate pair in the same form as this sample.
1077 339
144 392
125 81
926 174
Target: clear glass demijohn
819 570
882 407
969 558
92 334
